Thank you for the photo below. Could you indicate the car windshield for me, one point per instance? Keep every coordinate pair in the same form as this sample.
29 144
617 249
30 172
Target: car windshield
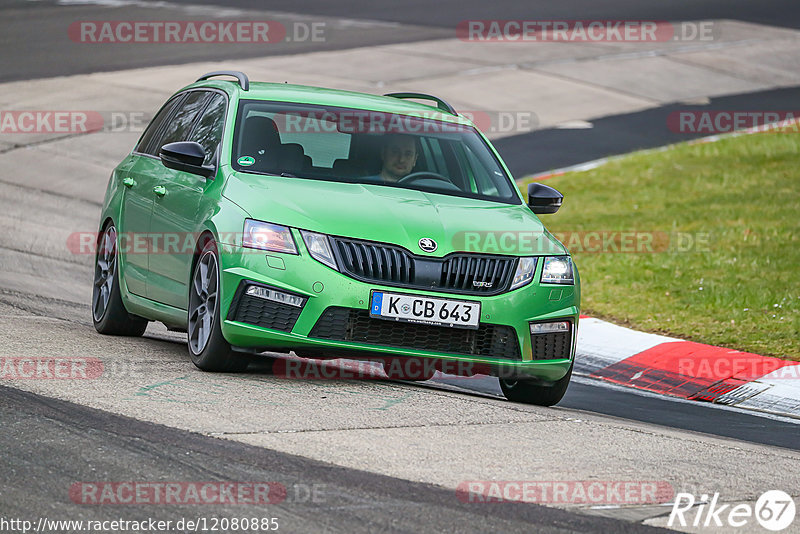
301 141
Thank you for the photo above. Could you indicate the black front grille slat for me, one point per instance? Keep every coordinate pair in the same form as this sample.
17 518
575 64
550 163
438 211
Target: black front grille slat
449 267
406 266
346 324
480 270
344 249
501 271
495 268
472 268
362 264
371 261
462 274
385 264
391 265
396 267
377 262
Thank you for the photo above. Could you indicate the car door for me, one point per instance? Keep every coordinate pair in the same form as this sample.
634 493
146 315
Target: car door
138 174
176 210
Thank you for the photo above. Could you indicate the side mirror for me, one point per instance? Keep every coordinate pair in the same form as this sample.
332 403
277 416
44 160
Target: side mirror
543 199
185 156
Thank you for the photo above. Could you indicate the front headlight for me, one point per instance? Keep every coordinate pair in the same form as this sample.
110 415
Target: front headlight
558 270
319 247
525 269
268 236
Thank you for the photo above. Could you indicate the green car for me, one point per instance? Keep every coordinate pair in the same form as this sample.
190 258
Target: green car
334 224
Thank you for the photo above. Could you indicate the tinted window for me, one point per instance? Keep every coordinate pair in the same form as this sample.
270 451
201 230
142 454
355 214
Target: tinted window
208 131
146 146
180 125
317 135
304 141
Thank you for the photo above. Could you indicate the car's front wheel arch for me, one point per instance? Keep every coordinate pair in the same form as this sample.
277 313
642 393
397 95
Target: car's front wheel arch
202 240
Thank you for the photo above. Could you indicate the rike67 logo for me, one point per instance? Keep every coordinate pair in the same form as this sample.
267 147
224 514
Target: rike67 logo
774 510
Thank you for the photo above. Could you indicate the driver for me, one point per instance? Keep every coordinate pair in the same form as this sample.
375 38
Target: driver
398 155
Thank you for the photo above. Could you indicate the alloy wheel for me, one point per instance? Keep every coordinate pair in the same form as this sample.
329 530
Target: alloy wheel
105 270
203 301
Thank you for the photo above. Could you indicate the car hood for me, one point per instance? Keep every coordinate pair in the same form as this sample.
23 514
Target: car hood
392 215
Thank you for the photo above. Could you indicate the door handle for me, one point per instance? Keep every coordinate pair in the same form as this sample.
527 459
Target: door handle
160 190
128 182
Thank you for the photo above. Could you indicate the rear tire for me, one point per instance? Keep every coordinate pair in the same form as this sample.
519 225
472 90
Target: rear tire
108 312
207 347
531 392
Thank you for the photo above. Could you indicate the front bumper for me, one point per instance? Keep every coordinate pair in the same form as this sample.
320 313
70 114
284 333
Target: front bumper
326 290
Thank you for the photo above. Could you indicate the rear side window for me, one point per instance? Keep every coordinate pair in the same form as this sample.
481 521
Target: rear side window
146 144
208 131
318 137
180 125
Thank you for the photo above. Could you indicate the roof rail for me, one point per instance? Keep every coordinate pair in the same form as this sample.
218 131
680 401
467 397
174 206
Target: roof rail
441 104
244 81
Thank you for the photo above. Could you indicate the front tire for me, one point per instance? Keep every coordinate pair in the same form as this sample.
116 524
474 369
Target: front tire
108 312
531 392
207 347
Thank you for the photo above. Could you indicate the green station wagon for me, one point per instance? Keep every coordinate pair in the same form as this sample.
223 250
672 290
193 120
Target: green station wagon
334 224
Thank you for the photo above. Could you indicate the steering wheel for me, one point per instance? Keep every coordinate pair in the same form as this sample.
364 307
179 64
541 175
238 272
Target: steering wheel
423 174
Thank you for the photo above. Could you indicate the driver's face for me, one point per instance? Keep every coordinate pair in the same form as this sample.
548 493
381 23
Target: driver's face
399 157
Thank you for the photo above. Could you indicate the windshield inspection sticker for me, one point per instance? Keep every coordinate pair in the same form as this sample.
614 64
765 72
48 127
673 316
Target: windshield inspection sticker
245 161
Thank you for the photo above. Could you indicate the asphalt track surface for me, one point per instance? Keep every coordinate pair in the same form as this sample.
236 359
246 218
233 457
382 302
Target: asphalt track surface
39 431
362 23
448 13
53 53
318 497
585 395
544 150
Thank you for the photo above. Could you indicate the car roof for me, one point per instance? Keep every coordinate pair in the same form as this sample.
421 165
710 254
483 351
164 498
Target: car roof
321 96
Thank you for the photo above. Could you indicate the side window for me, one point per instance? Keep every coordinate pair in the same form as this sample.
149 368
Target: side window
145 145
208 131
180 125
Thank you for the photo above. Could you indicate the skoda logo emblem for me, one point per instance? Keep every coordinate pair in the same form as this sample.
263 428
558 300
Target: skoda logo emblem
427 244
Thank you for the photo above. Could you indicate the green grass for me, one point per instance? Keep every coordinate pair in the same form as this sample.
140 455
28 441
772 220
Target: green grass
739 290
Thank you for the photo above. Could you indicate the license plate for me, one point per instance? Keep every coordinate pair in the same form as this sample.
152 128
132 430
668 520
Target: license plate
425 310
